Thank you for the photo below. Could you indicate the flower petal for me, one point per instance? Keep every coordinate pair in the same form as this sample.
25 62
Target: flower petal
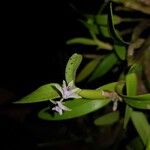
58 109
64 85
115 105
63 107
54 102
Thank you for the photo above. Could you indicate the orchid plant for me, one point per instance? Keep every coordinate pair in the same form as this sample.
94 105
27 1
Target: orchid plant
70 101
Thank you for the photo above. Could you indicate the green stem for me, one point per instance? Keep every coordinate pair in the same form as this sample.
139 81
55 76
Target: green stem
91 94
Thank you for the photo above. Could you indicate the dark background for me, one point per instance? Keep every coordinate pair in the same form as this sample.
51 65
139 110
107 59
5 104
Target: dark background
32 53
33 36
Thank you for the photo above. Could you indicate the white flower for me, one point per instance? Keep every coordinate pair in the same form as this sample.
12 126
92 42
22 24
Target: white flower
114 97
68 91
59 106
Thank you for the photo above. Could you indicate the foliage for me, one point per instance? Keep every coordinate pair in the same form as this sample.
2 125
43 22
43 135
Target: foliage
129 95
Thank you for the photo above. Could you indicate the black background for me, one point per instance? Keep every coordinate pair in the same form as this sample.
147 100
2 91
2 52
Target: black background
32 53
33 36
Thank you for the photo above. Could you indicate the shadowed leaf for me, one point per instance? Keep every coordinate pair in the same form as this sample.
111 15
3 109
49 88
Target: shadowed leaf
107 119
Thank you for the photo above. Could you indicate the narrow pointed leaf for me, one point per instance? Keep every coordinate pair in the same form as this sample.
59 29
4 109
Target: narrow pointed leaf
138 101
120 51
90 25
87 70
81 40
104 31
43 93
104 66
103 45
79 107
128 112
142 126
118 40
143 97
140 104
131 86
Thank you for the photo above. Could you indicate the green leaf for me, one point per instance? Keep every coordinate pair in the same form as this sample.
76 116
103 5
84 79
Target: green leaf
103 19
107 119
41 94
109 86
87 70
148 144
118 40
102 45
139 101
131 84
128 112
104 31
104 66
81 40
140 104
93 42
79 108
143 97
94 31
120 51
97 93
72 66
90 25
91 94
142 126
131 88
